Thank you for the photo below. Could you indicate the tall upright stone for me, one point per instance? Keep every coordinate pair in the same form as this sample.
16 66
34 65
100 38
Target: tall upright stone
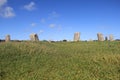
77 36
7 38
111 38
34 37
106 38
100 37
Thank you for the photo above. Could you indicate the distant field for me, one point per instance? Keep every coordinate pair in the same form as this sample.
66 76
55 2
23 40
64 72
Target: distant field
60 61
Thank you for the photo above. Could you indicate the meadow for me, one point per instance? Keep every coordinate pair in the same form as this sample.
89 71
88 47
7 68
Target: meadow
60 60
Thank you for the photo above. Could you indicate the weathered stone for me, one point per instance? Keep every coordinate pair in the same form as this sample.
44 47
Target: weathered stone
111 38
106 38
100 37
77 36
34 37
7 38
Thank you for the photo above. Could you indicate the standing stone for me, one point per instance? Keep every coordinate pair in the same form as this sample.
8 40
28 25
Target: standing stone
76 36
106 38
34 37
111 38
100 37
7 39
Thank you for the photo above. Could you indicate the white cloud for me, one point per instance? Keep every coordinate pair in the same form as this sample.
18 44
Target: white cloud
30 6
33 24
52 25
52 15
41 31
42 20
6 11
3 2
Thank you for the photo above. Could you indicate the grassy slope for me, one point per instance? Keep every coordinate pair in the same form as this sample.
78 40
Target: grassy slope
60 61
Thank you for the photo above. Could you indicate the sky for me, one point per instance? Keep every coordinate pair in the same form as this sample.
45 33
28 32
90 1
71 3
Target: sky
59 19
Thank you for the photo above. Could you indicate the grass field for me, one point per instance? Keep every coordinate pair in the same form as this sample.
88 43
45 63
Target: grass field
60 61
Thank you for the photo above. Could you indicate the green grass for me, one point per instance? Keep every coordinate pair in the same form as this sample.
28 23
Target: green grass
60 61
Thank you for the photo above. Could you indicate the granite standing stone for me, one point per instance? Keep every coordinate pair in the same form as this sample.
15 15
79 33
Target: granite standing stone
77 36
7 39
100 37
106 38
34 37
111 38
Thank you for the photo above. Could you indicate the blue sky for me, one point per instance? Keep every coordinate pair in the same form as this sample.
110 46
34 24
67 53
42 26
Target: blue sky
59 19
